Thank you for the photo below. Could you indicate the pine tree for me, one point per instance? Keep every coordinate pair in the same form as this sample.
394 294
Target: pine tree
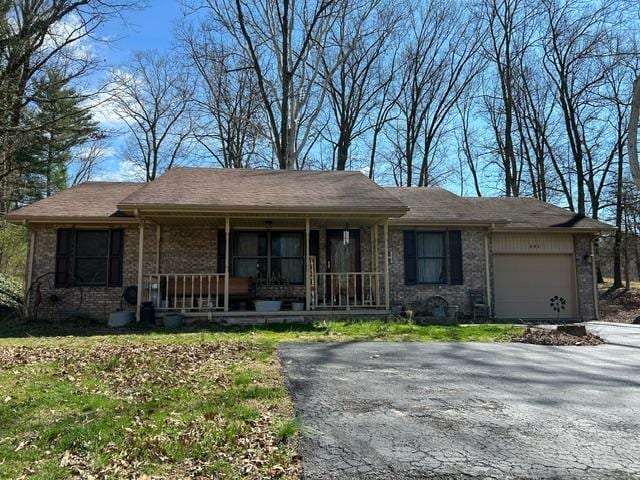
64 124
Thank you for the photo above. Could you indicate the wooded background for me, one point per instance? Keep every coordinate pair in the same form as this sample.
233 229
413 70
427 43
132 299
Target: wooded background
484 97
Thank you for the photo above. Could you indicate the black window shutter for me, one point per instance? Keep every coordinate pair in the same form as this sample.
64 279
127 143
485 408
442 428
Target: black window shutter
222 245
116 256
64 255
314 246
455 257
410 258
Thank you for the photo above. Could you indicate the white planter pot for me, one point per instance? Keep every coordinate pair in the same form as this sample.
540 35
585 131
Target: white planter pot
172 320
120 319
268 305
297 306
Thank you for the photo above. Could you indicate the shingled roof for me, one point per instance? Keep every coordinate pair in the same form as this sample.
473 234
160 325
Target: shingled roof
242 189
530 213
87 201
305 191
437 206
440 206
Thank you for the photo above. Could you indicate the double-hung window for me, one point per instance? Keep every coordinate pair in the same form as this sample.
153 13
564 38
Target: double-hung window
89 258
433 257
269 255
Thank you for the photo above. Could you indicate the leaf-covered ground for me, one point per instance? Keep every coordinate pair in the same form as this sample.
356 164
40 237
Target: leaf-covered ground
620 305
196 410
87 402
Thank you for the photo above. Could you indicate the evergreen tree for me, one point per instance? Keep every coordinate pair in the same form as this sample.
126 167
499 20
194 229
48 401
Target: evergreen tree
63 125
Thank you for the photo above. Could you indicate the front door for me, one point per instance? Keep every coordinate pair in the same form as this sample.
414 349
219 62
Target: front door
343 257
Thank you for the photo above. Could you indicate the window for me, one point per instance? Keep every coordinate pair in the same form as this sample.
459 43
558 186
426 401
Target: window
89 258
250 254
432 257
269 254
287 257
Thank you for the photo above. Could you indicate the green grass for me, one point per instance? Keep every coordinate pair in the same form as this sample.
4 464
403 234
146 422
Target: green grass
208 400
324 331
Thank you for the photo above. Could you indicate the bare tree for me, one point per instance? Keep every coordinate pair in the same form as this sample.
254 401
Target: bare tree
362 34
36 37
151 97
575 37
509 27
468 154
227 102
284 42
439 62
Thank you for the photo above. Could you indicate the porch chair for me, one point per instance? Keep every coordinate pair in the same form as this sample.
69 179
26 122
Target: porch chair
479 305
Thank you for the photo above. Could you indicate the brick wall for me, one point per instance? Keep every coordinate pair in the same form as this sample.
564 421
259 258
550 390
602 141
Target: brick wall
584 274
415 296
193 249
97 302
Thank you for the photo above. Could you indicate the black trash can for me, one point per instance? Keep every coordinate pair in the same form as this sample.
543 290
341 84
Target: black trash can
147 313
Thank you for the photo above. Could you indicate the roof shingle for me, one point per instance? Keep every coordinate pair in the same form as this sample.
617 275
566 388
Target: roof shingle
438 206
230 189
91 200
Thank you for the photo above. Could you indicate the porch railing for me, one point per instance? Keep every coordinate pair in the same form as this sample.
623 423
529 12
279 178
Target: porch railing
346 290
201 292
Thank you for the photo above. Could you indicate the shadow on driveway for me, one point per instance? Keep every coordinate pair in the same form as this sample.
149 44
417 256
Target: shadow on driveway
448 410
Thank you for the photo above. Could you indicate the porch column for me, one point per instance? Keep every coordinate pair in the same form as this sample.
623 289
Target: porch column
376 263
158 232
29 273
140 266
386 264
227 229
307 264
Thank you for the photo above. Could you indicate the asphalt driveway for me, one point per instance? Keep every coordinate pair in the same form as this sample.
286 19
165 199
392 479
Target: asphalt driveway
468 410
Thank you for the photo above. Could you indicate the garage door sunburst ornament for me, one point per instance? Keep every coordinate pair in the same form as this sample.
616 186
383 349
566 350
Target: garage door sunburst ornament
557 304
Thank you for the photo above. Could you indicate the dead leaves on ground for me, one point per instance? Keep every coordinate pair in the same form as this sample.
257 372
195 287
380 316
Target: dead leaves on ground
138 373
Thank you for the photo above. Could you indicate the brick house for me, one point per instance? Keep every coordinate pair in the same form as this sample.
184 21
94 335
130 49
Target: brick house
227 242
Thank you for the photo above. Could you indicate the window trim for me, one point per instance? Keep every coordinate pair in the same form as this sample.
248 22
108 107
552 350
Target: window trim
106 259
71 259
269 256
444 258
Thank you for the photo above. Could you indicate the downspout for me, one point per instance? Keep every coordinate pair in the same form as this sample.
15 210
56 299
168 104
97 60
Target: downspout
487 267
594 279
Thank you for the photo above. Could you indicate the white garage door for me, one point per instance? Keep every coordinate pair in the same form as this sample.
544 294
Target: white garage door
526 284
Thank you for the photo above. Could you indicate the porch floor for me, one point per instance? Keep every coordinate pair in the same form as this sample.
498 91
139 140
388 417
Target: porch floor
249 317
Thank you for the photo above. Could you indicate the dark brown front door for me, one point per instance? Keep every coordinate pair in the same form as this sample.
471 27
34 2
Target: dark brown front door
343 258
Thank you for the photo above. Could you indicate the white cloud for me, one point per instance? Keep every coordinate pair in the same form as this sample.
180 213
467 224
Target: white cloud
122 171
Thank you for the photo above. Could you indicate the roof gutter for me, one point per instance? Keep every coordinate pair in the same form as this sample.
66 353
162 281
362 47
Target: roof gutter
269 210
437 223
19 220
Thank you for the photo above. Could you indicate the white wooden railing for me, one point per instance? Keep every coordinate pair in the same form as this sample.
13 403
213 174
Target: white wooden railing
348 290
201 292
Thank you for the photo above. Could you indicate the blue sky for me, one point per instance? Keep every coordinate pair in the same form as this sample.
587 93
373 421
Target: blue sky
149 28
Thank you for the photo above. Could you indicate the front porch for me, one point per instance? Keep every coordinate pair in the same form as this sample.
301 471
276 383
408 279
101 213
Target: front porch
263 267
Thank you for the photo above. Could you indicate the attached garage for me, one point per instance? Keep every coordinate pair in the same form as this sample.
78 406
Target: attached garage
534 276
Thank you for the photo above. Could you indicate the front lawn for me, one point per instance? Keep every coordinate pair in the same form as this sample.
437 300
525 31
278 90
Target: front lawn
196 404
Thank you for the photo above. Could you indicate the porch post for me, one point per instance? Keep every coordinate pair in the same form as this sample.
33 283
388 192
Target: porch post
227 229
158 231
140 266
29 273
377 261
307 230
386 264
